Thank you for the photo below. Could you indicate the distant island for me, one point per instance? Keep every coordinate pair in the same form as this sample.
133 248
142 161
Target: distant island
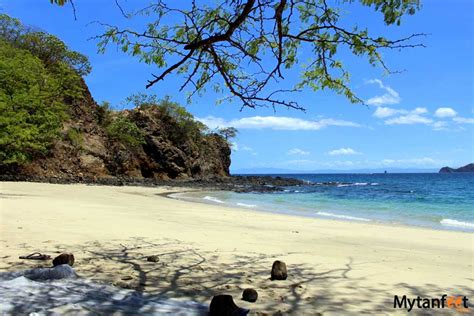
466 168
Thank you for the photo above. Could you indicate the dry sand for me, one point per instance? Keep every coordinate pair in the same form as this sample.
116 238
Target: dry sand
334 267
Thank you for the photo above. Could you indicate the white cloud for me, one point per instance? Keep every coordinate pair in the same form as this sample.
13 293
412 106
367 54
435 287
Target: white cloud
275 123
412 117
383 112
389 97
343 151
445 112
440 126
297 151
420 111
237 147
410 162
421 115
464 120
408 120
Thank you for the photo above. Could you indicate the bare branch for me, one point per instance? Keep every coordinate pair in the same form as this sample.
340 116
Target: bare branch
121 9
73 9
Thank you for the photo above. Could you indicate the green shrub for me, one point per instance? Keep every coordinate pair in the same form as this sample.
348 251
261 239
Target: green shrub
75 137
50 49
125 131
31 114
39 75
104 114
180 125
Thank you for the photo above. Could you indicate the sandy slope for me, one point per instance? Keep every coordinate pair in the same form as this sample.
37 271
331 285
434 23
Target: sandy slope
334 267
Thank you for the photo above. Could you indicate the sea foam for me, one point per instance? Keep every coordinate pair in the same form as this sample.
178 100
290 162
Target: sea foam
455 223
246 205
352 218
213 199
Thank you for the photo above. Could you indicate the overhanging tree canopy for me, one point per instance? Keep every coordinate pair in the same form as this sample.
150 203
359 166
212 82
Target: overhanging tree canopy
246 46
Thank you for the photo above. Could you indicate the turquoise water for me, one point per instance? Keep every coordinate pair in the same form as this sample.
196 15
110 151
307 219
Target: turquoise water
440 201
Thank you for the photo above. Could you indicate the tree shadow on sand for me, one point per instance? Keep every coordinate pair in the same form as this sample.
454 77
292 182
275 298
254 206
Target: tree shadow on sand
185 272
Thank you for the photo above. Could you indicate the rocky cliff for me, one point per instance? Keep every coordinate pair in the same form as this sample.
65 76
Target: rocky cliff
85 150
51 127
466 168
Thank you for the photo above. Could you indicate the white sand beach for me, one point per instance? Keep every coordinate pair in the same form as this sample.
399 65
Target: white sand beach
333 267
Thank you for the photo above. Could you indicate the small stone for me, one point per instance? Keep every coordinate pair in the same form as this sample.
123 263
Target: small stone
127 278
250 295
153 258
64 258
279 271
223 305
123 285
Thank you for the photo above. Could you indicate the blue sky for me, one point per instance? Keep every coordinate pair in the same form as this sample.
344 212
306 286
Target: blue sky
420 118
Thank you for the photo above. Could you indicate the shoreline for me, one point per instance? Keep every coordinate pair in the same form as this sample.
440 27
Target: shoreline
309 215
258 184
333 266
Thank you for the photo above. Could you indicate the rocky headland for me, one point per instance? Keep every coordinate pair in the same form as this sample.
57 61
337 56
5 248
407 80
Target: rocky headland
466 168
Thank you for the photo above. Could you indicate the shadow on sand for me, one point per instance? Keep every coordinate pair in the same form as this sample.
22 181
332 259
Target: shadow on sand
186 273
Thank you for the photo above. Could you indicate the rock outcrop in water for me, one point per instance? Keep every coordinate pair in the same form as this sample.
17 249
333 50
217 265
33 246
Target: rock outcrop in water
466 168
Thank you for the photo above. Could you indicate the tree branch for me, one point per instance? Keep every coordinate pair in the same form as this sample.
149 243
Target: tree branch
169 70
249 45
223 37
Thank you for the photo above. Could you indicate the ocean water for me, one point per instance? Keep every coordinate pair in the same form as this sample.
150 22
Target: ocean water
439 201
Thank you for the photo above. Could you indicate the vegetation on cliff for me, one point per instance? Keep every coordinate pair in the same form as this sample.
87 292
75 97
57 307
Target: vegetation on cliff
51 126
38 75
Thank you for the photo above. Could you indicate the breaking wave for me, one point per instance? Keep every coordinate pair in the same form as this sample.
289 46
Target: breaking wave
246 205
213 199
455 223
352 218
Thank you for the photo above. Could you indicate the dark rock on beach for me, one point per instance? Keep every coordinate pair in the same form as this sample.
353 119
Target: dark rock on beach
241 184
223 305
153 258
64 258
279 271
250 295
